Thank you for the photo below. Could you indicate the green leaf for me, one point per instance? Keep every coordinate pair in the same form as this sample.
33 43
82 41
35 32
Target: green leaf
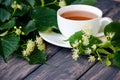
31 2
88 2
8 2
114 27
94 40
75 36
23 11
69 1
116 59
8 44
8 25
37 57
29 27
108 62
0 1
45 18
4 15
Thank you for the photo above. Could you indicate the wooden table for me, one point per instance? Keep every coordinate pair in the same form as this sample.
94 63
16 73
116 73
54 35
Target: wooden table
61 65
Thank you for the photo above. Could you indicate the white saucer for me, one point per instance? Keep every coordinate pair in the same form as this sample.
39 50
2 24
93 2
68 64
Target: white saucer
58 39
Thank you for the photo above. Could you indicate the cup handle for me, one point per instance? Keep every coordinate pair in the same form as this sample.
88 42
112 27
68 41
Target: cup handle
104 21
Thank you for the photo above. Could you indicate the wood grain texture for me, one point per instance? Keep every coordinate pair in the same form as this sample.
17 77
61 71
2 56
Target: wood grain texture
17 68
105 5
102 72
114 13
61 67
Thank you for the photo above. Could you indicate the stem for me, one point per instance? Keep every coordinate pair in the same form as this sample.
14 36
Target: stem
43 3
55 1
103 51
100 59
14 11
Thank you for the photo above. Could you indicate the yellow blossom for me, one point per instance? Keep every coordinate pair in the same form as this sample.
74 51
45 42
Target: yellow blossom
110 35
29 49
40 44
39 40
41 47
75 44
25 53
88 51
19 6
94 47
87 30
30 45
85 40
18 30
91 59
15 5
75 54
62 3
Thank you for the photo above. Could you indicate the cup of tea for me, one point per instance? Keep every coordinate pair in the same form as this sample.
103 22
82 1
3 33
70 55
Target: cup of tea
74 18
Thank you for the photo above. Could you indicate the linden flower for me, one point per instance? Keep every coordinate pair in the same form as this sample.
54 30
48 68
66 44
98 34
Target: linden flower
62 3
91 59
25 53
39 40
88 51
75 54
30 45
85 40
94 47
87 30
110 35
29 49
41 47
18 30
15 6
75 44
40 44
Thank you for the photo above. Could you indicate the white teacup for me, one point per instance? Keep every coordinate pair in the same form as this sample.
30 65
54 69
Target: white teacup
69 26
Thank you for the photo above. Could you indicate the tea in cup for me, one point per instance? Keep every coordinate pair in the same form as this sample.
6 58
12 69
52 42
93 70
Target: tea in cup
74 18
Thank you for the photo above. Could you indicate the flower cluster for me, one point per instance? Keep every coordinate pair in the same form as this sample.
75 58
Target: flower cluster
31 45
29 49
62 3
18 31
107 49
83 46
93 46
15 6
40 44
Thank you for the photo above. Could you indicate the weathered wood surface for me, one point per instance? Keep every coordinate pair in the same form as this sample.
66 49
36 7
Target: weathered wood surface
61 66
17 68
102 72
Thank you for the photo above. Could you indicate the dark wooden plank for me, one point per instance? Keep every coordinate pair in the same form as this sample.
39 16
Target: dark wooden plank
17 68
61 67
105 5
115 13
102 72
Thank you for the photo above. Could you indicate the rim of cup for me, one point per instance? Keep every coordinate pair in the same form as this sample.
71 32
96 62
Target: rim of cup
80 7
